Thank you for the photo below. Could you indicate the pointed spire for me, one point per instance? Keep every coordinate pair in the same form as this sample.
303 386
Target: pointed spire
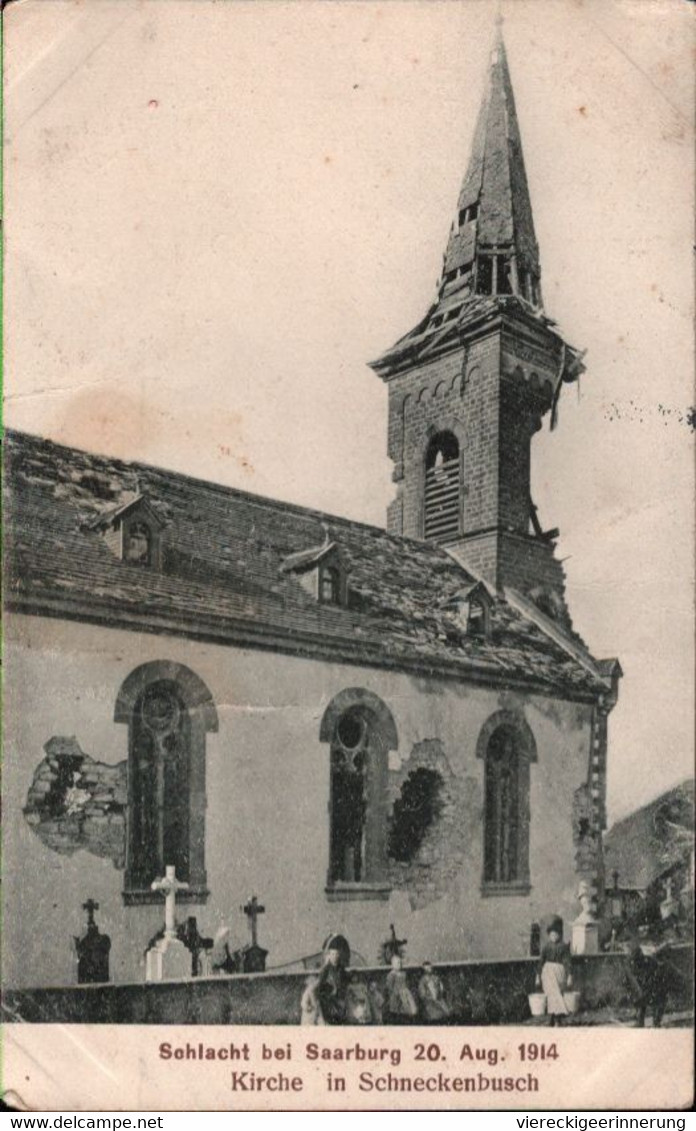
492 250
492 246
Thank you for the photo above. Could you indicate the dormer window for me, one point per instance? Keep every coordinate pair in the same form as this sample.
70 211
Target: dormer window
477 620
138 544
132 532
329 585
321 573
471 610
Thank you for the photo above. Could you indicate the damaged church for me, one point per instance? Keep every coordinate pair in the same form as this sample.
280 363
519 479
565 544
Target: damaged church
363 726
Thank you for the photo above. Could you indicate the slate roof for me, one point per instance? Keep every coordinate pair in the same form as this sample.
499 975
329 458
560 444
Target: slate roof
220 578
496 178
652 840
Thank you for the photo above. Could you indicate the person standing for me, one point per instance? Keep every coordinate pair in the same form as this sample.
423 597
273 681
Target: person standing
434 1007
310 1013
332 985
401 1007
555 971
647 983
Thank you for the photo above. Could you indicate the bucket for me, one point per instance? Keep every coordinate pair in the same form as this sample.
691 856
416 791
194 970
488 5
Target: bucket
537 1004
572 1000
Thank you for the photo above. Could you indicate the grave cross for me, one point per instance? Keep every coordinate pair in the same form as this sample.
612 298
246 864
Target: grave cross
252 910
90 907
169 886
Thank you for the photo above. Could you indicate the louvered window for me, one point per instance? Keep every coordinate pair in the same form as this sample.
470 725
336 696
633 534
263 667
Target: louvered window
442 488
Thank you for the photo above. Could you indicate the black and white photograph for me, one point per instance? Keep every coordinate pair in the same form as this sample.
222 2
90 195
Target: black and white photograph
348 535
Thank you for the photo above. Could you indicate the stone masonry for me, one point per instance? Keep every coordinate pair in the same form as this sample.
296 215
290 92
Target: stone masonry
75 802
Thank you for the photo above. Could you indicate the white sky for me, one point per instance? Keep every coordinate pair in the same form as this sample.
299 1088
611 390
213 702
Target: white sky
217 212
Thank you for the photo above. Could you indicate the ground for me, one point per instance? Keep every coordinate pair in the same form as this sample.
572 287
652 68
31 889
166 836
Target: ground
623 1017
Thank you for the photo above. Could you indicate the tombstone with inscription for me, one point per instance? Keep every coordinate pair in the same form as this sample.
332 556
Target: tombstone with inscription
168 957
92 949
251 958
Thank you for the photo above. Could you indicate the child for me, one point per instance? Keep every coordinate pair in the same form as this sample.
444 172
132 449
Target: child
431 995
377 1003
358 1005
401 1004
309 1004
555 971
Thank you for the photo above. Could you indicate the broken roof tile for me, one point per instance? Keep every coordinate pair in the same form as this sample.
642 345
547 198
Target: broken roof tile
222 576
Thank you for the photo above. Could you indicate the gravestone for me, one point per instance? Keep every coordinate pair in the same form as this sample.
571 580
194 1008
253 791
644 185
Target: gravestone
92 949
198 947
392 947
168 957
251 958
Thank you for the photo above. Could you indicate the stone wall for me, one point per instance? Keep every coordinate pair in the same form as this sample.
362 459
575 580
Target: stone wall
480 993
267 794
447 842
74 802
491 393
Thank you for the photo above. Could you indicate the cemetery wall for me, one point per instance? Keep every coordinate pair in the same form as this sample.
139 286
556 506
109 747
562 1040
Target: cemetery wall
267 824
478 992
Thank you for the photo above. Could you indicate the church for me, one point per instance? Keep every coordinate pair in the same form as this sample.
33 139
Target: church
361 726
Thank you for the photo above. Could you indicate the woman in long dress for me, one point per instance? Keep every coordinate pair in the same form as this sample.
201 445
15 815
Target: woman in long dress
555 972
401 1006
435 1009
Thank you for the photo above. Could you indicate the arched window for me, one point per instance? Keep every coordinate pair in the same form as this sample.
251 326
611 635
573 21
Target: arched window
361 732
350 755
442 488
168 710
507 747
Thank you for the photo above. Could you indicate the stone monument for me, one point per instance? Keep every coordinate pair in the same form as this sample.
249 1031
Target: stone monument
168 957
252 957
198 946
585 937
92 949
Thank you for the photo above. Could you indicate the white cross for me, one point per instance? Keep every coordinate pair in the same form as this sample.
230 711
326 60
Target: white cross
169 886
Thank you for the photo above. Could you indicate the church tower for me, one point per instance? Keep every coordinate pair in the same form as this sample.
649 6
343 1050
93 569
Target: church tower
470 385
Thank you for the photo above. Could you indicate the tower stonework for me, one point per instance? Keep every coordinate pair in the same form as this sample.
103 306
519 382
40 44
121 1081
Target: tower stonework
470 385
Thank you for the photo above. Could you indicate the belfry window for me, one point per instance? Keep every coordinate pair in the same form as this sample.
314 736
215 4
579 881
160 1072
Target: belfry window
168 711
504 275
442 488
484 277
494 276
